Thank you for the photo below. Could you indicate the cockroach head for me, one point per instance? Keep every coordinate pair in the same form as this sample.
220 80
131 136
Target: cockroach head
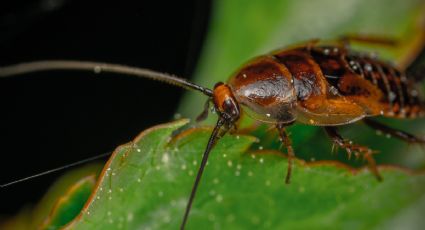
225 103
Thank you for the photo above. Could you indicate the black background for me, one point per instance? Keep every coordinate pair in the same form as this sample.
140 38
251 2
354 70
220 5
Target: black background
54 118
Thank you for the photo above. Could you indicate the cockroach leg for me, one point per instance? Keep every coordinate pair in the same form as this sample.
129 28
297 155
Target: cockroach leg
334 149
357 150
372 165
394 132
286 140
310 44
368 39
204 113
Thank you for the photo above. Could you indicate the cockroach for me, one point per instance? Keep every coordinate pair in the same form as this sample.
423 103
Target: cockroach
314 84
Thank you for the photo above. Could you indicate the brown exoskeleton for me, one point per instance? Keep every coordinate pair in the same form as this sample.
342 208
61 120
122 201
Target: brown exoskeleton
321 85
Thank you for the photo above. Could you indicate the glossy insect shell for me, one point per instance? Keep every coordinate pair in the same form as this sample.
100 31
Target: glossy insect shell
324 86
264 89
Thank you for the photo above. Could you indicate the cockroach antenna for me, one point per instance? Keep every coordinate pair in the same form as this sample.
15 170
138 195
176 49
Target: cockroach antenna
97 67
210 145
55 170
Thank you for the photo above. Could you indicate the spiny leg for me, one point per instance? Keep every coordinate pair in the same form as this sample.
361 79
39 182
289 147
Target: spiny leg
353 148
204 114
310 44
368 39
288 144
394 132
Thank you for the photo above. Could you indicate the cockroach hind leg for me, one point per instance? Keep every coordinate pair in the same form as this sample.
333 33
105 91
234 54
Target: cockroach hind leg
357 150
367 154
310 44
404 136
368 39
372 166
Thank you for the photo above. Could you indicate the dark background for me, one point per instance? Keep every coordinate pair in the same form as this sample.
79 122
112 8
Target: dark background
51 119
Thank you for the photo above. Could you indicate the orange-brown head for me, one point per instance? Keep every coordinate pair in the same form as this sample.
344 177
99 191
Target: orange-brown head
225 103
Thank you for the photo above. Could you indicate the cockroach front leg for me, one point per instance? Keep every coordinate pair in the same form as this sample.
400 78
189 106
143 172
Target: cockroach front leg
351 148
409 138
204 114
288 144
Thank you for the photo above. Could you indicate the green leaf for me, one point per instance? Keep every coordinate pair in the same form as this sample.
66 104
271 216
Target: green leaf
70 204
146 183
